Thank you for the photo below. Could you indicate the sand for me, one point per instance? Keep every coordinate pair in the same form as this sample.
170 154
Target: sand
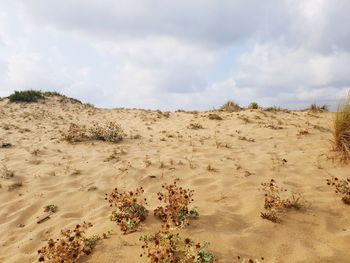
244 149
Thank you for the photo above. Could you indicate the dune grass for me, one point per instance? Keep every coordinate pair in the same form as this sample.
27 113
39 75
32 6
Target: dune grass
341 130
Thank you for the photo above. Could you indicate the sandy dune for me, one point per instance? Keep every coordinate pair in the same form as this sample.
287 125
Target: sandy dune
244 149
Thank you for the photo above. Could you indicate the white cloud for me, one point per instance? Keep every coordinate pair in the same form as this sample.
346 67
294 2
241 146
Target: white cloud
178 54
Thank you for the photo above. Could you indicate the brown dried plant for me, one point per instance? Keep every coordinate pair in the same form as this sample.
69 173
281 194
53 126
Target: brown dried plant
128 210
176 212
274 205
70 247
76 133
110 132
342 186
167 247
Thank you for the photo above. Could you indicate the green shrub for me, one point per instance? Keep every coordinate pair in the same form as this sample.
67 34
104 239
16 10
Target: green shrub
253 105
26 96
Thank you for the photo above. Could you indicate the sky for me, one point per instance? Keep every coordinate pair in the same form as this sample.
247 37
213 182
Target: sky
183 54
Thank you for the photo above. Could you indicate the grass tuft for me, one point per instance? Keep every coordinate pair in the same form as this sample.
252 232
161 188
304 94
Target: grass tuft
341 130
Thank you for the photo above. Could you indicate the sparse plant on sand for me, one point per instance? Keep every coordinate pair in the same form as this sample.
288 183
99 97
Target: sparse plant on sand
341 130
176 212
110 132
214 116
168 247
26 96
230 106
253 105
318 108
70 247
76 133
342 186
51 208
195 126
6 173
128 209
274 205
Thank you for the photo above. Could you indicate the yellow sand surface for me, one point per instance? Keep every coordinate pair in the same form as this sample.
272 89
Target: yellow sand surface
242 150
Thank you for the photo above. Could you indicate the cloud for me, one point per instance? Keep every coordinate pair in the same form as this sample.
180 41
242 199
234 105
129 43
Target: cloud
178 54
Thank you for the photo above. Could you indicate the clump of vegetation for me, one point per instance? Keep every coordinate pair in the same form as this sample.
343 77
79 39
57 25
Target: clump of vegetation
318 108
52 94
303 132
26 96
342 186
276 109
51 208
15 186
195 126
76 133
230 106
176 211
167 247
110 132
70 247
253 105
341 130
214 116
274 205
6 173
128 209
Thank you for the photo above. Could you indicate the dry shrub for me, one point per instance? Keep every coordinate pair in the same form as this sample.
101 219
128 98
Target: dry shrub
276 109
70 247
342 186
128 210
110 132
303 132
341 130
317 108
274 205
230 106
76 133
175 212
214 116
195 126
167 247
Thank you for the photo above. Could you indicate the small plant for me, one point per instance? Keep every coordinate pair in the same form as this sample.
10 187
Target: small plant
195 126
15 186
342 186
110 132
128 210
51 208
75 133
175 212
230 106
274 205
341 130
70 247
26 96
214 116
6 173
253 105
303 132
317 108
276 109
167 247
